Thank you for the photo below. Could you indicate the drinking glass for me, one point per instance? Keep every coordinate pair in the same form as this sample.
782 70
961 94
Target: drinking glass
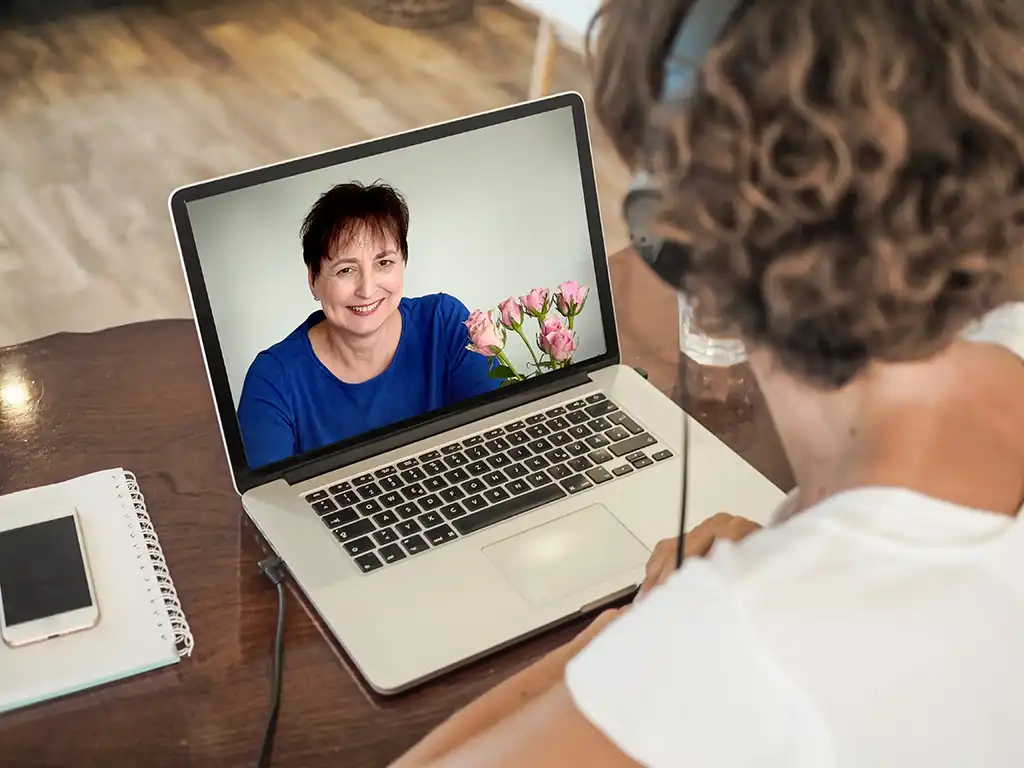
712 368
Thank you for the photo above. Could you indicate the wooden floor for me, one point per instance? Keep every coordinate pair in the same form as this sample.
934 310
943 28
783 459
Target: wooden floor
104 111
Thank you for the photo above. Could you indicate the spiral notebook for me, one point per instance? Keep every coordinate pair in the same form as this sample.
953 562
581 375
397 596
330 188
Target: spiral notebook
142 625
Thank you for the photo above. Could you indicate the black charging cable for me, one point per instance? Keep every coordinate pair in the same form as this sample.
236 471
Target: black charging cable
273 569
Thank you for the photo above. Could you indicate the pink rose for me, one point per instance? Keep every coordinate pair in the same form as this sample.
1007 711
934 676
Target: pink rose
550 325
511 313
570 297
558 342
535 303
485 338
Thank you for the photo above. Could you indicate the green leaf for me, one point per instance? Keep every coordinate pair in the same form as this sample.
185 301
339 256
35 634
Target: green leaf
502 372
506 383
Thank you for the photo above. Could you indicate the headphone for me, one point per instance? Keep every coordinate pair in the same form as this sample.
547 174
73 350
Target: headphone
698 31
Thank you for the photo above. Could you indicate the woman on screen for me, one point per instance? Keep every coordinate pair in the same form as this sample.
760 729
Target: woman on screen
370 356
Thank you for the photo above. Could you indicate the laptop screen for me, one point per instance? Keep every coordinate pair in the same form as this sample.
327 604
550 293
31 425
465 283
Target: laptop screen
351 297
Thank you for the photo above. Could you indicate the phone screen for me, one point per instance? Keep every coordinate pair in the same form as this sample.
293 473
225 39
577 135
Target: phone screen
42 571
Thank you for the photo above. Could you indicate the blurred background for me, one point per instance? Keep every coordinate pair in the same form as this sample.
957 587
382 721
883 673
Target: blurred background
106 107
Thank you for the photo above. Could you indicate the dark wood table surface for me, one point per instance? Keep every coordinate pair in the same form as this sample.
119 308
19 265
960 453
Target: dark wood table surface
137 397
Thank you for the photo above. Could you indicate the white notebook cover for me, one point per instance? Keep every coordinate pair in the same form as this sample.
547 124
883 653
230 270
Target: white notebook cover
141 625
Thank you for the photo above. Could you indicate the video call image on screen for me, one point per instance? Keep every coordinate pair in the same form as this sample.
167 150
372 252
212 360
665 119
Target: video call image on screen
369 293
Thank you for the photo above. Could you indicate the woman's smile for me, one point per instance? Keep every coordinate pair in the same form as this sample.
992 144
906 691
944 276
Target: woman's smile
366 309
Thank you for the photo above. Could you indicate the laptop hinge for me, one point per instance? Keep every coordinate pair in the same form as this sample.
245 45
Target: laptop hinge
393 440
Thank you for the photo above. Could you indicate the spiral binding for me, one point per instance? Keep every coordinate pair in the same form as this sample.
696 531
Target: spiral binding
159 585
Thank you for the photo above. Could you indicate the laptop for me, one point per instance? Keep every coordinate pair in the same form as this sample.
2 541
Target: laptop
429 530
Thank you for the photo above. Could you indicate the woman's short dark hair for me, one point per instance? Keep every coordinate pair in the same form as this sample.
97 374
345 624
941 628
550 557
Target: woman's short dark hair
848 174
347 211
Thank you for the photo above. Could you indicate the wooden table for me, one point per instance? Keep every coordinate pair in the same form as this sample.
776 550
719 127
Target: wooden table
137 397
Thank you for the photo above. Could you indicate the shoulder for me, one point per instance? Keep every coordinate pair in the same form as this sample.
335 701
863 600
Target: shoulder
1003 326
440 306
273 362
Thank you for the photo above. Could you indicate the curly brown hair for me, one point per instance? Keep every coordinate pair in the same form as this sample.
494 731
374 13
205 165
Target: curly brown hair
848 175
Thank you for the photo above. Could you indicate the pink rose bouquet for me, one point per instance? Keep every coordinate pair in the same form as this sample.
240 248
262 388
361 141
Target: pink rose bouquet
555 341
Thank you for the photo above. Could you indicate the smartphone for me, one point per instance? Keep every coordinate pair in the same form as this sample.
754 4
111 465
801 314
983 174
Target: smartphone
46 589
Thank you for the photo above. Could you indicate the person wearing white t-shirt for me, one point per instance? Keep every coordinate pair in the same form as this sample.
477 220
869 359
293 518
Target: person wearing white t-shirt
848 180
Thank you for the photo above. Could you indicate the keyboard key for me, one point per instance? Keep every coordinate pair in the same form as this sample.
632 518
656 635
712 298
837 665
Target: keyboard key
456 475
451 511
494 495
518 453
385 536
316 496
632 444
363 480
540 446
359 546
474 486
537 479
429 456
642 462
476 453
599 475
408 528
441 534
499 460
576 417
384 472
558 424
617 433
518 487
414 491
632 426
407 463
413 475
324 506
557 456
433 501
392 553
662 455
493 433
576 483
497 445
415 544
577 448
514 426
600 424
560 438
392 499
538 430
474 503
338 519
456 460
435 467
449 449
560 472
347 498
600 456
516 470
453 493
494 478
405 511
554 412
597 441
430 519
370 507
596 398
518 438
434 484
478 468
601 409
580 431
536 418
575 405
384 519
580 464
341 487
508 509
370 490
474 440
391 483
535 463
625 469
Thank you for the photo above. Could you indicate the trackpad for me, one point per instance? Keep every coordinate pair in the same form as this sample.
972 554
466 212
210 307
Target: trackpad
567 555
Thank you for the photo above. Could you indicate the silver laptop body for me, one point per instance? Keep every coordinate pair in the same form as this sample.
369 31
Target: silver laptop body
435 542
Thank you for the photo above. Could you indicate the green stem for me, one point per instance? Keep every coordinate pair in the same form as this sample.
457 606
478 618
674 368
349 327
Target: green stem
503 359
529 346
571 318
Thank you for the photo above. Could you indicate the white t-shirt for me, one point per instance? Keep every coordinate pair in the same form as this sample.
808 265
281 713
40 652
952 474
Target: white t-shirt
879 629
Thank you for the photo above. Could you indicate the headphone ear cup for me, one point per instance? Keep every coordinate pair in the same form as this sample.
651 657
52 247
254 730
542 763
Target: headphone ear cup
670 261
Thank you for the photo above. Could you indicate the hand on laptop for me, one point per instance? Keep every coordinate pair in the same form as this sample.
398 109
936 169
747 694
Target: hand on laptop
697 544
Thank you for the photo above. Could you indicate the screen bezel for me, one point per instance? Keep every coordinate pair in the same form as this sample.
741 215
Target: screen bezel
336 455
59 623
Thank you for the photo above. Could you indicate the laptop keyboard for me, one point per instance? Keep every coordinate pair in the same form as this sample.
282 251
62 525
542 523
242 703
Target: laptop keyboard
414 505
